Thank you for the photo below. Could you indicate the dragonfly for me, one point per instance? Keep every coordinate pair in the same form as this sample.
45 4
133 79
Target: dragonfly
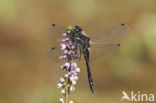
92 47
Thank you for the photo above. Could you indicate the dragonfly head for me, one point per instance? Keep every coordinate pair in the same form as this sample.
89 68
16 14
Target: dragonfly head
76 29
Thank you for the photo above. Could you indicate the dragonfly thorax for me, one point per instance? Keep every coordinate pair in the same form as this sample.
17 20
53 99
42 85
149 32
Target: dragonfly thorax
81 39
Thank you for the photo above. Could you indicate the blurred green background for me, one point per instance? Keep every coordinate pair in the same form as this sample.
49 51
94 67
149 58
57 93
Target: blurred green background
27 75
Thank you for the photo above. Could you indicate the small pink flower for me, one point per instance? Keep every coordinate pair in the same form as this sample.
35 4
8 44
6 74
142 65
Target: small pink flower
70 44
77 70
74 64
76 77
66 66
71 102
72 88
73 46
71 52
59 85
65 40
63 46
62 80
73 78
63 91
65 51
64 34
61 100
72 73
66 75
76 56
73 82
63 57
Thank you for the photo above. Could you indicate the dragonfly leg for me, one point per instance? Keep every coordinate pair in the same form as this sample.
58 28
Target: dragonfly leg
80 55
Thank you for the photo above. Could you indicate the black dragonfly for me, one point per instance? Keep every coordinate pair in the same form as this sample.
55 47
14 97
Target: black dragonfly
91 47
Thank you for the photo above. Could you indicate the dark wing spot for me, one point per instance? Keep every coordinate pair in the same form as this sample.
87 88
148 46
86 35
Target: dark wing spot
53 24
122 24
118 44
53 48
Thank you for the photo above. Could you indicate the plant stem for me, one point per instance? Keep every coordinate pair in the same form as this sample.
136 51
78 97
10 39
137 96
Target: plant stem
66 96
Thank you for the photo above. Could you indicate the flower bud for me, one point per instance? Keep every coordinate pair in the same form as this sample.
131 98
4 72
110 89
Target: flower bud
66 66
59 85
77 70
66 75
73 82
74 64
63 56
64 34
72 88
62 80
63 91
71 102
61 100
63 46
65 40
65 51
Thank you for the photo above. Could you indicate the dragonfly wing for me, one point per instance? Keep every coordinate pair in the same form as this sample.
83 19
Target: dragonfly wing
100 50
112 35
55 53
56 32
